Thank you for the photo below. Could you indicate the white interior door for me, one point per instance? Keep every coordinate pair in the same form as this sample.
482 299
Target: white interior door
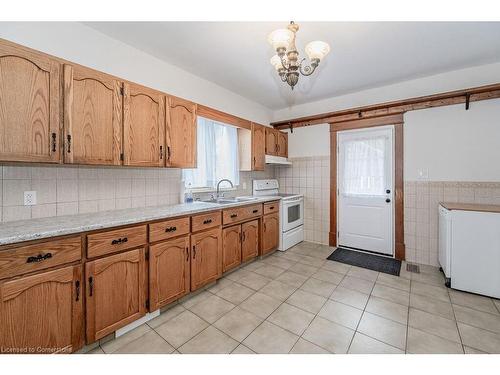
365 176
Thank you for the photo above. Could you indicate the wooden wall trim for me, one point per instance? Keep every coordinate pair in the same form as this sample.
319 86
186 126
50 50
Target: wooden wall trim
226 118
399 246
394 107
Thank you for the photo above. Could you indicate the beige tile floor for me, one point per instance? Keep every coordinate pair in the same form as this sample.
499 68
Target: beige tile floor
299 302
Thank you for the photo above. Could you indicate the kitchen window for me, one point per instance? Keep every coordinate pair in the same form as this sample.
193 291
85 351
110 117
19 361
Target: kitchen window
217 155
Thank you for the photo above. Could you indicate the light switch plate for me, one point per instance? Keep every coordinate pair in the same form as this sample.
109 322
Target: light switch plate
29 198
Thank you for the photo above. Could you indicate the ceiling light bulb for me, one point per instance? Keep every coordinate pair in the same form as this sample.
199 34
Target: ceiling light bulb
280 38
317 50
276 62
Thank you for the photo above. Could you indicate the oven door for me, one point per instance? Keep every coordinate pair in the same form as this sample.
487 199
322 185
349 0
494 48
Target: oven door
292 213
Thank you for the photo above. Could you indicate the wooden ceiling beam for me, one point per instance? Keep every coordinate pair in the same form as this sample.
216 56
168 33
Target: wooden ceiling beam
396 107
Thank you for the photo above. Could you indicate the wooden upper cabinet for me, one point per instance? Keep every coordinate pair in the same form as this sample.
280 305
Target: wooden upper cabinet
206 257
271 141
92 117
282 144
169 271
250 240
181 133
231 247
270 232
29 105
42 313
258 147
143 126
115 289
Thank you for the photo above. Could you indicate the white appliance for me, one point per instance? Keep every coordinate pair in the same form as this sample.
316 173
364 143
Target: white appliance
291 212
469 250
271 159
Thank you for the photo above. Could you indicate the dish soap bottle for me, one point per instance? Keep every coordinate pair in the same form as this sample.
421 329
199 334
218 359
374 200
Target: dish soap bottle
188 194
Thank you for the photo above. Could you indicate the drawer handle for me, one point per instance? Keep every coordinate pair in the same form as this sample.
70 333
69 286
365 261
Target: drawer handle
39 258
208 221
255 211
234 215
271 208
171 229
119 241
77 287
91 286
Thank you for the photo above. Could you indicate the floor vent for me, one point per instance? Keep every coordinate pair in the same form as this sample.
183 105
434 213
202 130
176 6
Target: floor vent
415 268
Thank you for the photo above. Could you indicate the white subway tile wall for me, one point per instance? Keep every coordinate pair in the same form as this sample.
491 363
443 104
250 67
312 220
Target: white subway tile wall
65 190
421 212
310 176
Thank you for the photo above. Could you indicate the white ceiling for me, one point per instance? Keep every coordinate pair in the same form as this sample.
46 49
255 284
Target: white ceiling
235 55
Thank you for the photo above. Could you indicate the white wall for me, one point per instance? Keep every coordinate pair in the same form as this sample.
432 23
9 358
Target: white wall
452 144
309 141
81 44
454 80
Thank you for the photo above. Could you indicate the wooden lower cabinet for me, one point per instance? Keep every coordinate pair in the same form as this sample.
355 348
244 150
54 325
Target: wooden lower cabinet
42 313
231 247
115 289
169 271
250 240
206 257
270 232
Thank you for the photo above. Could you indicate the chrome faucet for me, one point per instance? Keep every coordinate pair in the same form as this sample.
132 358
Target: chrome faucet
218 185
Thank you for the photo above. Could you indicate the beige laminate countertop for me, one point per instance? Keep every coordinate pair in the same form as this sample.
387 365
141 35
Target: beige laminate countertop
471 207
34 229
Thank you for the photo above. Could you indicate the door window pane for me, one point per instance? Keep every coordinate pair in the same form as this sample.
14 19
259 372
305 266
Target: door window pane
364 166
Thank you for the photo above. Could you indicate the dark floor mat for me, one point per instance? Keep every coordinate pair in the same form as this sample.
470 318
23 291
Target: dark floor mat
370 261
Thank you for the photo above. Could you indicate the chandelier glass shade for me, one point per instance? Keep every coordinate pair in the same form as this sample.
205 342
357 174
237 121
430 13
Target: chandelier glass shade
286 61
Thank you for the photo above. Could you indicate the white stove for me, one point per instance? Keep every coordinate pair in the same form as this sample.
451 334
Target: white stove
291 212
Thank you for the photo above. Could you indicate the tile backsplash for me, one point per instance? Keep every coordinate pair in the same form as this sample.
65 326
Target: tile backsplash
63 190
310 176
421 212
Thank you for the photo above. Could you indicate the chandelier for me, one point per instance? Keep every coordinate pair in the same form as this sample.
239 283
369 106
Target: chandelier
286 61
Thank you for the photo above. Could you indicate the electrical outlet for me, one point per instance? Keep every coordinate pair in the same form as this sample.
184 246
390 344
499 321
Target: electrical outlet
29 198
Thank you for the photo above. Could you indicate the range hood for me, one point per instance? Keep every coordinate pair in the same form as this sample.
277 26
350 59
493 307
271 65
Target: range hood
271 159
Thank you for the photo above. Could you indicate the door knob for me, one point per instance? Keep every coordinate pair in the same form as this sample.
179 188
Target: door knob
388 191
387 200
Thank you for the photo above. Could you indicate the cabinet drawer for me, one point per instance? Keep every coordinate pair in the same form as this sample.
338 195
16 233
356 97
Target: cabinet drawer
271 207
116 240
39 256
200 222
237 214
168 229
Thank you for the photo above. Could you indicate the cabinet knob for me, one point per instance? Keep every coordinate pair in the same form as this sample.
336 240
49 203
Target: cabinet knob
387 200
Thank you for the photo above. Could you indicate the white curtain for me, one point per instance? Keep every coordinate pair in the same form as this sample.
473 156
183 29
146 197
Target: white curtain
364 166
217 155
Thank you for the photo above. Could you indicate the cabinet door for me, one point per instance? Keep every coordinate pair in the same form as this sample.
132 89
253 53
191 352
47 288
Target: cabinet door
42 313
231 247
206 257
282 144
271 142
92 117
181 133
115 292
250 240
169 273
270 232
29 105
258 147
143 126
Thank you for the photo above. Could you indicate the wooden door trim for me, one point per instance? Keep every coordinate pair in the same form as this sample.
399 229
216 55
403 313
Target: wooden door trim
399 246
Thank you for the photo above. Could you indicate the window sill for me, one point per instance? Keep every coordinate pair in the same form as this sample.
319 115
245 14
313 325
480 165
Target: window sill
211 190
